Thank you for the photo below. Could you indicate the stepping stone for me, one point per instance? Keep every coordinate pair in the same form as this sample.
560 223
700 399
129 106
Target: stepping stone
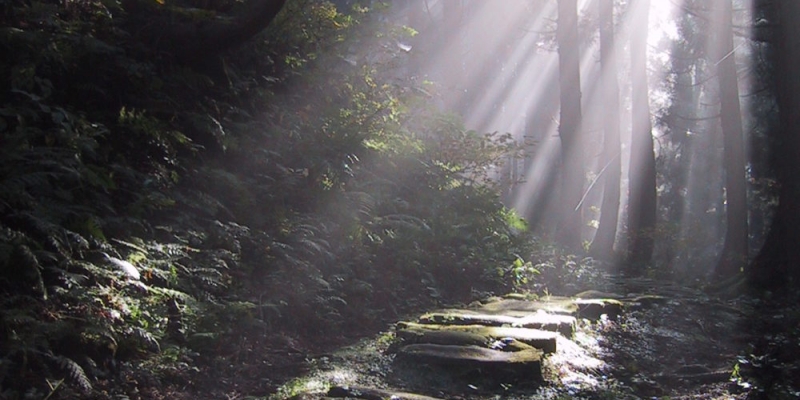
594 308
456 338
459 317
544 340
526 363
582 308
553 305
563 324
359 392
596 294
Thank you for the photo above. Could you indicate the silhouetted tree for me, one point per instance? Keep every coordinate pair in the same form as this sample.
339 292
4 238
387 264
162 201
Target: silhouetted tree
777 262
603 243
570 122
642 173
197 40
734 252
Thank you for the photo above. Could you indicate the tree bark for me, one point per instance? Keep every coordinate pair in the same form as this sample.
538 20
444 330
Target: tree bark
642 174
776 265
603 242
734 253
195 42
572 173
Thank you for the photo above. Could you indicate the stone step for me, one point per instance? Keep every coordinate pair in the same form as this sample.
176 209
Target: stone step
591 309
544 340
563 324
455 338
490 363
368 393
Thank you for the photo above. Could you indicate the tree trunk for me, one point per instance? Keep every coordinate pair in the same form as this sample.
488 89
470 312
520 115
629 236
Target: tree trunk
603 243
776 265
642 174
572 174
195 42
734 253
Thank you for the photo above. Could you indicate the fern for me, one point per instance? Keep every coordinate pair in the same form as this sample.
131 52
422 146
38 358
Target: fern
171 293
75 373
145 338
27 263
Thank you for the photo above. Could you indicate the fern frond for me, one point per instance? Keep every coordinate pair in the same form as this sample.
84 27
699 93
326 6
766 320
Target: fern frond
93 270
171 293
75 372
28 264
318 246
145 338
403 221
131 245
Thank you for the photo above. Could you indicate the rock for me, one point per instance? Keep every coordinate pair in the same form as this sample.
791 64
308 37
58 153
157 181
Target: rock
563 324
544 340
537 320
459 317
357 392
494 363
594 308
596 294
646 300
582 308
520 296
456 338
696 374
551 304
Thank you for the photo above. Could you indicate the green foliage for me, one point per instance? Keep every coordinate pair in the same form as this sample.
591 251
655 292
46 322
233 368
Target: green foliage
298 183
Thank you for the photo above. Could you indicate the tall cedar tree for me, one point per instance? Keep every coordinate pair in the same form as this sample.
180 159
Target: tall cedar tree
734 252
778 262
642 173
603 243
196 42
570 122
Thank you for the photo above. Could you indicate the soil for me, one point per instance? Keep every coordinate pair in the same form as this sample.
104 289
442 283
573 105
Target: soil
669 341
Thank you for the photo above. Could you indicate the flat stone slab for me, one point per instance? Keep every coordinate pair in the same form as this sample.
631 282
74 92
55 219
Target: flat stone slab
595 308
525 363
563 324
581 308
367 393
544 340
553 305
454 338
459 317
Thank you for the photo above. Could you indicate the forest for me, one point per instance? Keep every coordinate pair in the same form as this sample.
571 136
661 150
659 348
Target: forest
416 199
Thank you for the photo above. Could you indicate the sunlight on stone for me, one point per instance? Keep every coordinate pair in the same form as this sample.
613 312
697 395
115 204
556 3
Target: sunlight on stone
576 365
338 376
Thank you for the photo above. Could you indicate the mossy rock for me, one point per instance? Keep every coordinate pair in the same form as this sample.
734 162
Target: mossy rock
543 340
593 309
491 363
460 317
596 294
367 393
550 304
590 308
563 324
456 338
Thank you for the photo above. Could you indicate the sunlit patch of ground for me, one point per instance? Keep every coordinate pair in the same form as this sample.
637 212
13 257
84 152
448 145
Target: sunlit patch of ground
689 346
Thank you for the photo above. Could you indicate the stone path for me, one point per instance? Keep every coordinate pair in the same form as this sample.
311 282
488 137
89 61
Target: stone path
492 345
593 345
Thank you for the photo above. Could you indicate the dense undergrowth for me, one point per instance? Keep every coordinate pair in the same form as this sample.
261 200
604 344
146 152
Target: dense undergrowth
297 187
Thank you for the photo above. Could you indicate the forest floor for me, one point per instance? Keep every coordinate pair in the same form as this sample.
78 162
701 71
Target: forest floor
676 343
667 341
